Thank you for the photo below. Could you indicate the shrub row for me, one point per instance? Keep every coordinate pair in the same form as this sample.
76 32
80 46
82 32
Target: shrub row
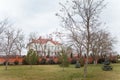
42 62
14 63
52 61
101 60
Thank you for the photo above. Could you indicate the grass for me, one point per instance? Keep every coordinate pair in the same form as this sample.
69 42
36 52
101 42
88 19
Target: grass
54 72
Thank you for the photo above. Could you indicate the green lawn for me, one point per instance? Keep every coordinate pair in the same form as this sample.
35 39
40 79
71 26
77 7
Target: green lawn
54 72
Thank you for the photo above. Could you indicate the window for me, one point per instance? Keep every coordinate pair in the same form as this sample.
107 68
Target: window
44 46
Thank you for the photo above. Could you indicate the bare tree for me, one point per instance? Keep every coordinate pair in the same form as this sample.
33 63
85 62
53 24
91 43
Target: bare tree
32 39
9 43
102 43
3 25
81 16
77 42
20 41
33 35
9 38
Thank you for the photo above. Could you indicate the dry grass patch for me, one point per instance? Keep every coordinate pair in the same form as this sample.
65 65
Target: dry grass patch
54 72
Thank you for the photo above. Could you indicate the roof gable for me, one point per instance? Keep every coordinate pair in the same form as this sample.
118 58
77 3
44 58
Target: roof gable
44 41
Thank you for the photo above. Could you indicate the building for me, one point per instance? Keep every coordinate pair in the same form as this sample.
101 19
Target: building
45 46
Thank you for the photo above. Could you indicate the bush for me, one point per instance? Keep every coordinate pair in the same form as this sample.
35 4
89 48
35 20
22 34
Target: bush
73 61
16 62
77 65
81 62
101 60
64 60
43 61
32 57
24 62
5 63
113 61
51 61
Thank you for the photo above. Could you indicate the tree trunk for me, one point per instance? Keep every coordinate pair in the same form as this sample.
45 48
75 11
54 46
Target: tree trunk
86 64
88 46
6 62
6 65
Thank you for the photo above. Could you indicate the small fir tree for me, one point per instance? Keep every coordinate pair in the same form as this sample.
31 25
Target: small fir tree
32 57
63 58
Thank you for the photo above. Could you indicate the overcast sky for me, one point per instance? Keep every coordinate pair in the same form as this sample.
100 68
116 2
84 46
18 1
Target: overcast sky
31 15
39 15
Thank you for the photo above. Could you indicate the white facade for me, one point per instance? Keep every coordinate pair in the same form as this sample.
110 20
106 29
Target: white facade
47 47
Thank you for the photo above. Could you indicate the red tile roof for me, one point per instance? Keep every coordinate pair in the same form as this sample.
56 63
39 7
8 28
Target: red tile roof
43 41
